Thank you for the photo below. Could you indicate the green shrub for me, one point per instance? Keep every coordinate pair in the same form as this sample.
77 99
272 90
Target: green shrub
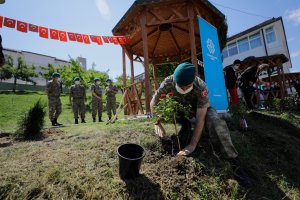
31 122
275 105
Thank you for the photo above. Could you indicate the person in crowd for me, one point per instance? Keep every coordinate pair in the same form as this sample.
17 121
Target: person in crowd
53 91
189 89
77 99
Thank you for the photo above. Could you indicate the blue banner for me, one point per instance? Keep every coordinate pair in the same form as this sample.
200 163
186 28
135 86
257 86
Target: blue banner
213 69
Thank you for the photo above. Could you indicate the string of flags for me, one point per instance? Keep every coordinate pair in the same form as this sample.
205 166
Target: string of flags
63 36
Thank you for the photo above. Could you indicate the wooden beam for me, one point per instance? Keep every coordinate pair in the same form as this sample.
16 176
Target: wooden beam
157 16
124 66
154 77
146 64
156 43
177 20
175 42
148 35
184 30
132 68
192 37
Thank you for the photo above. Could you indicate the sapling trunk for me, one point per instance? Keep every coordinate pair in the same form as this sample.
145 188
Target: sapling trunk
176 132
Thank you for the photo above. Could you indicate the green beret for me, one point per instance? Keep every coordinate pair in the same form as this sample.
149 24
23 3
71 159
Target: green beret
184 74
55 74
108 80
76 79
96 79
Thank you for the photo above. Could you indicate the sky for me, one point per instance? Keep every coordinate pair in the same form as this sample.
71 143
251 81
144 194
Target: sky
98 17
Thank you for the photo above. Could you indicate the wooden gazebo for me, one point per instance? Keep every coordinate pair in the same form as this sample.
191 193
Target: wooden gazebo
163 31
273 65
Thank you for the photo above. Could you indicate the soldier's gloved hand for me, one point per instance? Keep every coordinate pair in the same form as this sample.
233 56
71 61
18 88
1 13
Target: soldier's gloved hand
159 130
187 150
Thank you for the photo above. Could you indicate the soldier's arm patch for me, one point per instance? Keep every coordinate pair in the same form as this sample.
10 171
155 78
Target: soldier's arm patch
204 93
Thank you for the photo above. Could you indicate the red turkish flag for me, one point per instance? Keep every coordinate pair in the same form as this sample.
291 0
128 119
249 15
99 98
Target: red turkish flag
71 36
54 34
127 39
33 28
121 39
10 23
63 36
79 37
86 39
115 39
105 39
1 21
111 39
43 32
96 39
22 26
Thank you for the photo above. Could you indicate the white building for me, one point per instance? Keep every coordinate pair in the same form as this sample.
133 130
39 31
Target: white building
265 39
35 59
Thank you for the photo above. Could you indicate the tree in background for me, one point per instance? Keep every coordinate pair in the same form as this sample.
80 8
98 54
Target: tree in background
20 71
48 71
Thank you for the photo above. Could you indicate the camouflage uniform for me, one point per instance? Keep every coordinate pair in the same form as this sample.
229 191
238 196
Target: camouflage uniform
54 103
198 98
110 92
97 105
77 92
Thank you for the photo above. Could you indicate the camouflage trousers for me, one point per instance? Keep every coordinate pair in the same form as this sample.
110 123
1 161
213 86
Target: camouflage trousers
97 107
78 107
215 132
54 105
111 105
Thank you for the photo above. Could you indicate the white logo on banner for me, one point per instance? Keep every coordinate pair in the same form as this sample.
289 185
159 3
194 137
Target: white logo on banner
211 48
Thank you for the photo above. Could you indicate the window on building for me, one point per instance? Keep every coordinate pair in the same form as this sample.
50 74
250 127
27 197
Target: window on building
243 45
255 40
270 35
225 52
232 49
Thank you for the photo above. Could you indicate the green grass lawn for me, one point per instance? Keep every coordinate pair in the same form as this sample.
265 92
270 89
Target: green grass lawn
80 162
14 105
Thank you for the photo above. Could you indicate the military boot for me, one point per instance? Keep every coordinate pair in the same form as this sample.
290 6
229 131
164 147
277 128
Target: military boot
83 121
76 121
239 173
100 120
94 119
53 123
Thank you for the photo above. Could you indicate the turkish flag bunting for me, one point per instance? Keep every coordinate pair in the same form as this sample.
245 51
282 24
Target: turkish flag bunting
10 23
33 28
127 39
54 34
1 21
43 32
22 26
105 39
86 39
111 39
115 39
71 36
121 39
63 36
96 39
79 37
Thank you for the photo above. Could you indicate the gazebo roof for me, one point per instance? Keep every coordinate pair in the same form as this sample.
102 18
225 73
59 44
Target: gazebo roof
167 23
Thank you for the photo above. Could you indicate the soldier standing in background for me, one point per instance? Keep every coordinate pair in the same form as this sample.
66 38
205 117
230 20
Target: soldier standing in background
110 93
77 100
97 104
53 91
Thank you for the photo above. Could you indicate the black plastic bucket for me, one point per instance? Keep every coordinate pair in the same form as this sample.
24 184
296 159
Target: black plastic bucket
130 160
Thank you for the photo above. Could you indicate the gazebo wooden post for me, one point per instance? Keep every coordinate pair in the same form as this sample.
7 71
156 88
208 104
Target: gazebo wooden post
281 75
154 76
132 68
124 67
146 63
192 37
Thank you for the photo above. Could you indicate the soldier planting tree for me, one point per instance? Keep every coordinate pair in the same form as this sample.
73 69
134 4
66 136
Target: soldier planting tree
77 99
189 89
53 91
97 104
110 93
